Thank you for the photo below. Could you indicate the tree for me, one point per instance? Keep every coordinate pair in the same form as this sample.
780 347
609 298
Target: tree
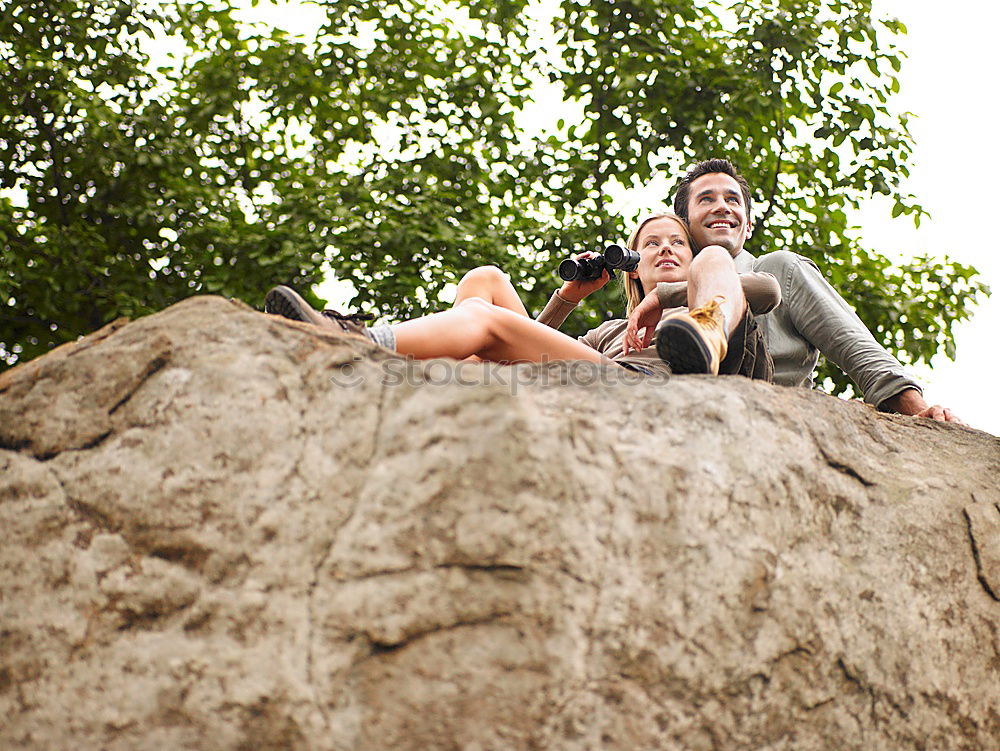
796 93
389 147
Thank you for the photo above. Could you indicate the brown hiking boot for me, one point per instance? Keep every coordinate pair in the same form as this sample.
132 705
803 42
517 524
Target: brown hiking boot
285 301
694 341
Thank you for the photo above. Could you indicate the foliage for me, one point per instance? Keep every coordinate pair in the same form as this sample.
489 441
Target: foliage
389 146
125 213
796 93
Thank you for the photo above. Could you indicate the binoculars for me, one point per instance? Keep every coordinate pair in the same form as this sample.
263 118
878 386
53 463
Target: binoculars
587 269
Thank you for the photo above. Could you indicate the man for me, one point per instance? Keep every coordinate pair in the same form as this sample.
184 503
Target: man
715 200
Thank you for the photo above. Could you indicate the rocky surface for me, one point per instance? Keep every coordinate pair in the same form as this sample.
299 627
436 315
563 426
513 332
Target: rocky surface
226 531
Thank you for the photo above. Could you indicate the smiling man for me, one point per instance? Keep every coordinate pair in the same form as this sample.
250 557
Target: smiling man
715 200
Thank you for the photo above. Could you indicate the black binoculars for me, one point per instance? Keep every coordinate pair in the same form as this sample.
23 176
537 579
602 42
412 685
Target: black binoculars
587 269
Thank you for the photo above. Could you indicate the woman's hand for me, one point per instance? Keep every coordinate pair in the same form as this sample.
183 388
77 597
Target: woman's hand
577 290
642 324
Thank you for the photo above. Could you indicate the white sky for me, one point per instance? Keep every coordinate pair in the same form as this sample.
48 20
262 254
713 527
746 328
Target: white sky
948 82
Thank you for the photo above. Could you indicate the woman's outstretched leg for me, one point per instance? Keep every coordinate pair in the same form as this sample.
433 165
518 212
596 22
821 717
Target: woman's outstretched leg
492 285
474 327
491 332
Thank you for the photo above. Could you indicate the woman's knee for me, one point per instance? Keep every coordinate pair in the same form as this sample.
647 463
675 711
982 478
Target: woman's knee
484 275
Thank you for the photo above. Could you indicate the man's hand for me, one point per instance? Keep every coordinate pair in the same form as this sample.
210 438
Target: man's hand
577 290
642 324
910 402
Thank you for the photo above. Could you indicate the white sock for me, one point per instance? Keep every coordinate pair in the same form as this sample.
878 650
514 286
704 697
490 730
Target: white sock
382 335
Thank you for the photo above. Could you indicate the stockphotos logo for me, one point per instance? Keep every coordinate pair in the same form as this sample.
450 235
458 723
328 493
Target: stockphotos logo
409 372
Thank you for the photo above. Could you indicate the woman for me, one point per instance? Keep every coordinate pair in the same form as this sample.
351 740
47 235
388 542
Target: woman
489 321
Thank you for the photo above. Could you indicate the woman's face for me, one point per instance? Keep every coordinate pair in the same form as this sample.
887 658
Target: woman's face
664 252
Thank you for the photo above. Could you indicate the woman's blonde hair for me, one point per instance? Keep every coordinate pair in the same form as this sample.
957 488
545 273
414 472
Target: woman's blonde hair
633 287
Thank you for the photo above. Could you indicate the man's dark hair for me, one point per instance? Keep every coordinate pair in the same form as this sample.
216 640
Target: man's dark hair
682 192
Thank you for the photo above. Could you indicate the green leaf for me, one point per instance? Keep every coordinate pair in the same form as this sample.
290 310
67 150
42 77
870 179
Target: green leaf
390 148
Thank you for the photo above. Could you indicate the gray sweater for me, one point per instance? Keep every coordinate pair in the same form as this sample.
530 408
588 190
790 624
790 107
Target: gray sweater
814 318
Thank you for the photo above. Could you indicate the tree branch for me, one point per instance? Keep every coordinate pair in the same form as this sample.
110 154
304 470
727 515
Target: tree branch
777 172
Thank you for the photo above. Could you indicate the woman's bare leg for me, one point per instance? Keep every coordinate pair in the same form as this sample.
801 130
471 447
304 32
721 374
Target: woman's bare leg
492 285
491 332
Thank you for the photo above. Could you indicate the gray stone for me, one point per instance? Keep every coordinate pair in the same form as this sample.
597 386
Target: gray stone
223 530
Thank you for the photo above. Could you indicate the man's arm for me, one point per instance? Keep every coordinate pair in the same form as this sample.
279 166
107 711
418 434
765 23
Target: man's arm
911 402
820 315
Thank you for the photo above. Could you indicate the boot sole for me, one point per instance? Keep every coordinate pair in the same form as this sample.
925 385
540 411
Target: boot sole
681 346
286 302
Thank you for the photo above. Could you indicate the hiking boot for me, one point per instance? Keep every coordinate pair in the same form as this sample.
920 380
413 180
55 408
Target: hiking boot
285 301
694 341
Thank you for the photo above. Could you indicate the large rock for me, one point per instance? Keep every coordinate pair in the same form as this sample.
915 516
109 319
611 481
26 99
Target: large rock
226 531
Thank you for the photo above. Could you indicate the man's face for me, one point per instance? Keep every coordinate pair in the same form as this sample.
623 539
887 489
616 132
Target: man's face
716 212
664 253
